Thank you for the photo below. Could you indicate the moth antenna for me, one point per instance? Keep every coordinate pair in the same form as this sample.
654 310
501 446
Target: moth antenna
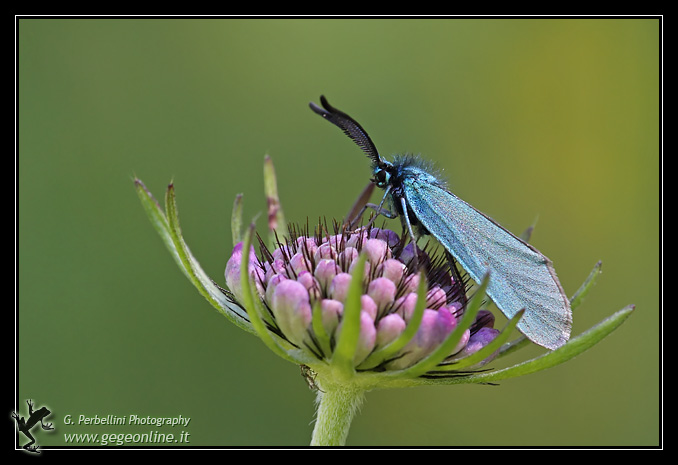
350 127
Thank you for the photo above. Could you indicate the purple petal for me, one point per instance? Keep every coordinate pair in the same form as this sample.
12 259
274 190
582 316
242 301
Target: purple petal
331 311
325 271
307 245
368 306
411 283
292 310
392 269
232 272
386 235
311 284
325 251
377 251
367 339
405 305
486 318
435 326
347 257
366 271
298 263
479 340
356 238
435 298
272 284
382 291
339 286
389 328
276 267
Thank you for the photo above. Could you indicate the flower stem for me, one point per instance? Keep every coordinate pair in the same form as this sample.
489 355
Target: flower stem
336 408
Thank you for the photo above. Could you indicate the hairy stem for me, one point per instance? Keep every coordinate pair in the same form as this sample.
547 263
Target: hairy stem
336 408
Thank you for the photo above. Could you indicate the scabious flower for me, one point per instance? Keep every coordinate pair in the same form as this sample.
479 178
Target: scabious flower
349 307
311 276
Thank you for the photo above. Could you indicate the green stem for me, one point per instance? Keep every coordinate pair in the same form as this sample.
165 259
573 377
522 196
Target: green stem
336 408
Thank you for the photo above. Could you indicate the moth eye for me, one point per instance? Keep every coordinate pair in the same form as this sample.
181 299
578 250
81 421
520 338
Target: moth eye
381 178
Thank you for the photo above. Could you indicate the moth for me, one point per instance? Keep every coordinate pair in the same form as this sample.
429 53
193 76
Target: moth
520 277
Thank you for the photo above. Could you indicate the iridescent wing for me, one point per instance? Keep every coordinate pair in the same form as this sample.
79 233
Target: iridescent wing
520 276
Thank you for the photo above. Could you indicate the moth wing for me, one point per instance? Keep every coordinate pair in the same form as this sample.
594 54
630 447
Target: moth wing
520 276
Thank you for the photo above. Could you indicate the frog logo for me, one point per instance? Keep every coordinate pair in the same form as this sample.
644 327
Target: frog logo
25 426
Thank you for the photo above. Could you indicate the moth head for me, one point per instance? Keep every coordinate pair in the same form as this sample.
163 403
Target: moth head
382 172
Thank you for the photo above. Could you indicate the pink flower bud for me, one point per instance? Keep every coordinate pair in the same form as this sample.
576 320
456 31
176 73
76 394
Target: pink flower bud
292 310
391 269
479 340
339 286
389 328
382 291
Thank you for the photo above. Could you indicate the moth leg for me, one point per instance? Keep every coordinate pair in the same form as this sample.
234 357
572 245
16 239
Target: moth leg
413 238
377 208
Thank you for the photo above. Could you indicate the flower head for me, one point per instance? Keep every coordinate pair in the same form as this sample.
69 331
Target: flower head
349 307
309 277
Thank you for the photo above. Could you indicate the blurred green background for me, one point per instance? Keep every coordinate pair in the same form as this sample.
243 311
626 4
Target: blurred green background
555 119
